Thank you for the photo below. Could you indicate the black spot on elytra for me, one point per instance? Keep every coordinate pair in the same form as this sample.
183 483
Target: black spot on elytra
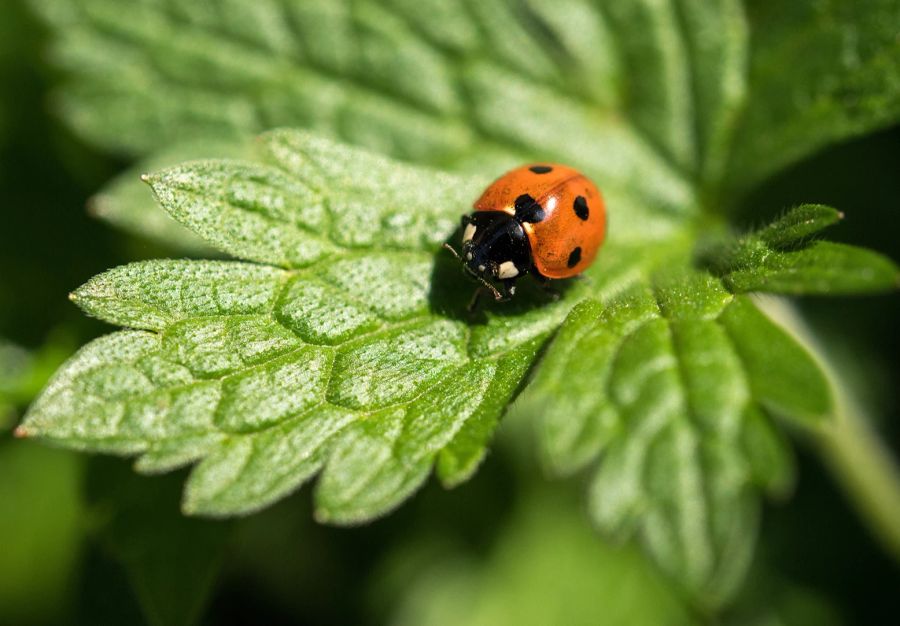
574 257
541 169
581 208
528 210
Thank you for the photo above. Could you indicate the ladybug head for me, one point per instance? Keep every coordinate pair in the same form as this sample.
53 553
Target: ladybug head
494 247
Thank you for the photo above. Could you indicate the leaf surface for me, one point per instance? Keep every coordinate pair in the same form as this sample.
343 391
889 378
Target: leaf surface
337 344
341 347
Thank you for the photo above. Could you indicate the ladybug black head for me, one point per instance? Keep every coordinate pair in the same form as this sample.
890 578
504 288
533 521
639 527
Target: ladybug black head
495 248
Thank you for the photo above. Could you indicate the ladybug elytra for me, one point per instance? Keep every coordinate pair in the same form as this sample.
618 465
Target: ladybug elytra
547 220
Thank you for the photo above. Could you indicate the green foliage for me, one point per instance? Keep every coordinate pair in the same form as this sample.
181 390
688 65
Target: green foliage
42 519
664 103
570 576
147 535
23 374
346 350
782 258
818 72
421 79
270 373
337 344
128 204
668 385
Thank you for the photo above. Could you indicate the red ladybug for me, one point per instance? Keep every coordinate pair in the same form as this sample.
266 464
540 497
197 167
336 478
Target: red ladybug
547 220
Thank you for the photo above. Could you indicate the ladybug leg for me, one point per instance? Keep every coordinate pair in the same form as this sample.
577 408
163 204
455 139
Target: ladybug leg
544 282
508 289
476 297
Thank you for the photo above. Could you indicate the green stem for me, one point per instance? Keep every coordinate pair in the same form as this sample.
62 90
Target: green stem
864 467
857 457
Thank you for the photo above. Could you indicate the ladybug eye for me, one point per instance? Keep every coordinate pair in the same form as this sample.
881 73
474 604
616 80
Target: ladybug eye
468 233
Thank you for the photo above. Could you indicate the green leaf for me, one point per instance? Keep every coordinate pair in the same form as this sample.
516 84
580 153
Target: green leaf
819 73
147 535
782 374
665 387
350 364
720 90
797 225
341 346
127 203
43 519
569 575
781 258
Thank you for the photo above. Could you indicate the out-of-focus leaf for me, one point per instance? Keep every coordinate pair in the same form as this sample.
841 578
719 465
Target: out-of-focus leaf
819 72
42 525
171 561
568 577
720 90
23 374
126 202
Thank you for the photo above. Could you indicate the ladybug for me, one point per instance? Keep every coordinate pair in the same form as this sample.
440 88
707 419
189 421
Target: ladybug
544 220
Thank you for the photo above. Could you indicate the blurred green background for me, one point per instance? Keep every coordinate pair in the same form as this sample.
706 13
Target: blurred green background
86 542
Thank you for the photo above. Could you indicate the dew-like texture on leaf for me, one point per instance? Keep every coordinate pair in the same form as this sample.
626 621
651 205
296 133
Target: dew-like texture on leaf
256 469
266 394
244 210
294 207
321 313
213 347
678 431
391 366
394 286
264 375
153 294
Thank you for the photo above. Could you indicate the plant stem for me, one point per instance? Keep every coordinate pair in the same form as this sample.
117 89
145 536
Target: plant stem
857 457
862 464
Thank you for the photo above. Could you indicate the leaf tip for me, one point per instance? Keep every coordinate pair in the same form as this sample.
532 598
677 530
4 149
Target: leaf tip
94 206
21 432
189 505
146 178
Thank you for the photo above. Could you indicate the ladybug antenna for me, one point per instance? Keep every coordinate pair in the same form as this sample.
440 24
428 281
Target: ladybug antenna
497 294
450 248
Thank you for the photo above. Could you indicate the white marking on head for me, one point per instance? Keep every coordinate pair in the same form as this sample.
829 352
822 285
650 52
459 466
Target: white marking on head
508 269
468 256
481 268
512 290
468 233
